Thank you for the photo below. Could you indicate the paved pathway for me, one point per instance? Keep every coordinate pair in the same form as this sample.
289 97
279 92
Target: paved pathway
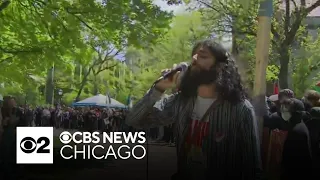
161 165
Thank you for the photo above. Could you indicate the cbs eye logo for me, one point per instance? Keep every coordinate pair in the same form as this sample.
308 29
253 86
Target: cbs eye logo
28 145
65 137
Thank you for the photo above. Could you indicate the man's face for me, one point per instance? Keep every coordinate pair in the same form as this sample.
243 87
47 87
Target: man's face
202 60
202 70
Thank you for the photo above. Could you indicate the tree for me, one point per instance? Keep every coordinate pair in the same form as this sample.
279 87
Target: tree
174 47
306 66
45 32
232 17
285 33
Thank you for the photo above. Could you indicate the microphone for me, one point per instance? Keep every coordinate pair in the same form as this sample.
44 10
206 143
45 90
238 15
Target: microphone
180 67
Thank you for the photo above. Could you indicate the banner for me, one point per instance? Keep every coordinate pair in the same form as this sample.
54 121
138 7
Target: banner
274 156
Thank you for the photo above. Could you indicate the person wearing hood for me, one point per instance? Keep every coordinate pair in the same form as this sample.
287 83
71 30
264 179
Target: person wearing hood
296 154
275 120
314 130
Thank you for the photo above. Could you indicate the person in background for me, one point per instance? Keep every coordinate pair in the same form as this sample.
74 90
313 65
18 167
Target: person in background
314 130
296 154
275 121
12 117
28 116
38 116
45 118
312 97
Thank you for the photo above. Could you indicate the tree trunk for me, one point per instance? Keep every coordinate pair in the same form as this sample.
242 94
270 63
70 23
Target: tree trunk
77 72
284 67
83 83
49 93
95 85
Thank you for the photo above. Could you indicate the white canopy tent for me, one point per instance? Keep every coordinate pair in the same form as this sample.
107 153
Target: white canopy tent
100 100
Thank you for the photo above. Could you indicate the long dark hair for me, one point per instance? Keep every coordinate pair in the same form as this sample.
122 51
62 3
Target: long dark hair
225 72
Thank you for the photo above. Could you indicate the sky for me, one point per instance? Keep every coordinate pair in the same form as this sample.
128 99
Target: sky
165 7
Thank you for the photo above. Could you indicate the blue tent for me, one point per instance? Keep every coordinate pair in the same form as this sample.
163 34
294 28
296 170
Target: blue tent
100 100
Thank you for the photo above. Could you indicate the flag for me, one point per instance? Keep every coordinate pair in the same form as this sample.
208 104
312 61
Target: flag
275 150
129 101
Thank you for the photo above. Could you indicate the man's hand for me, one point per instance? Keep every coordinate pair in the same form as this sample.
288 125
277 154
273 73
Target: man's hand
168 82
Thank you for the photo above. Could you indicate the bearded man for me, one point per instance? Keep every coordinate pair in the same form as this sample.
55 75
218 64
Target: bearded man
215 126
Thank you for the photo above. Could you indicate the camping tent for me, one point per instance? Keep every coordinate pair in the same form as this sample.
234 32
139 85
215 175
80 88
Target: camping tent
100 100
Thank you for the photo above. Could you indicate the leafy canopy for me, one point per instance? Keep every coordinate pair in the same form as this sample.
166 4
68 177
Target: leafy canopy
35 34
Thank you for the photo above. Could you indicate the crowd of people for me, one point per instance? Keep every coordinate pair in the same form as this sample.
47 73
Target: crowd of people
295 124
84 118
78 118
89 119
303 129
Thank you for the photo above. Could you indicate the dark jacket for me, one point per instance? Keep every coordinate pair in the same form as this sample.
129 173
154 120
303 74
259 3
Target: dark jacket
237 156
297 154
314 130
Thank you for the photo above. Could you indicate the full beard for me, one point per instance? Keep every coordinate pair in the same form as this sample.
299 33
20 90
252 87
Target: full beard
195 77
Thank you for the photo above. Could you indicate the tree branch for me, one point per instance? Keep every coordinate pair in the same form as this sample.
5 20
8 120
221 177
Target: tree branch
208 5
287 17
106 67
20 51
295 4
81 20
4 5
313 6
76 12
294 28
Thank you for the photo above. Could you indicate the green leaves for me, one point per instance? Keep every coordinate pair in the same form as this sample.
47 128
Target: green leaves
175 47
305 65
36 34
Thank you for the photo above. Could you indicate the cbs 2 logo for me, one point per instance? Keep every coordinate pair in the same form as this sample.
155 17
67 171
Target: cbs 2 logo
29 145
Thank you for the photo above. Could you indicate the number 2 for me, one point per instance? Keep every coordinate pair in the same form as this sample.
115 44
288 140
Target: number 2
42 147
